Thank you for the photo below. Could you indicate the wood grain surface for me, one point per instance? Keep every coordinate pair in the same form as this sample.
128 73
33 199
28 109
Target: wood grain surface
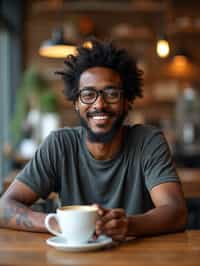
25 248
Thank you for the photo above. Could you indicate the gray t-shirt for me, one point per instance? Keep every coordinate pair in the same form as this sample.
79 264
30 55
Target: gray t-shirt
64 165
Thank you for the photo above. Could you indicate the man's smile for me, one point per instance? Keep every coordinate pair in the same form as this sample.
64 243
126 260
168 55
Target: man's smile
100 122
100 117
100 114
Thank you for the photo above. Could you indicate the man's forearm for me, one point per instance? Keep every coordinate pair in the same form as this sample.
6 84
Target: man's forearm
162 219
15 215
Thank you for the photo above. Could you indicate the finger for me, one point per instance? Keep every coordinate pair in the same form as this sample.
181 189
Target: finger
99 227
113 214
100 210
115 224
100 223
119 237
103 224
94 237
114 232
111 219
116 227
109 231
113 227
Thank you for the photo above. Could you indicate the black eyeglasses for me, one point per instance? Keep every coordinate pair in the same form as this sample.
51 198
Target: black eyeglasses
110 95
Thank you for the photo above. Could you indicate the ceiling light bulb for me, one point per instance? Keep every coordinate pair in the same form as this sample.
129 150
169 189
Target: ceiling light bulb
162 48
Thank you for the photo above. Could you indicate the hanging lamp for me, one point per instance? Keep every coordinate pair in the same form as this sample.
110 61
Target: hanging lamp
57 46
182 66
181 58
162 46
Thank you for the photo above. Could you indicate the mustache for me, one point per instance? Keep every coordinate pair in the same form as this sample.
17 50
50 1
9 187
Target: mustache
100 112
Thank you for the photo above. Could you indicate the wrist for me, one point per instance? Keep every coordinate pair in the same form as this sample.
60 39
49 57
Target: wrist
131 227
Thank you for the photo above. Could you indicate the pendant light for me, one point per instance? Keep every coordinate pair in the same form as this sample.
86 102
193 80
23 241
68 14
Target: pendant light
182 66
162 47
57 46
181 59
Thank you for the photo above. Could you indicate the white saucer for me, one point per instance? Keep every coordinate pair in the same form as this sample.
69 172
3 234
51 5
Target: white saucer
61 244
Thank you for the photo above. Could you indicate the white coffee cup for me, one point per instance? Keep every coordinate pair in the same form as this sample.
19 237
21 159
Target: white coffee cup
77 223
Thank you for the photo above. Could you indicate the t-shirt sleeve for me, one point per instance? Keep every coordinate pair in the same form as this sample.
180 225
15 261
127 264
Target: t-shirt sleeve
157 162
41 171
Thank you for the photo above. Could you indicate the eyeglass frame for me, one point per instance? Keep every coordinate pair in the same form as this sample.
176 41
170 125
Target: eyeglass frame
101 93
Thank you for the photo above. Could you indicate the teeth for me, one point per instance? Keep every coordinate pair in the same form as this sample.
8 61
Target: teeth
100 117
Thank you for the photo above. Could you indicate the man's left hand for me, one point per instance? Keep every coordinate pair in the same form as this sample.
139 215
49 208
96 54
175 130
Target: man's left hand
113 223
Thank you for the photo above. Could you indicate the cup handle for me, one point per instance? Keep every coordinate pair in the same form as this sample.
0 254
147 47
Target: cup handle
48 226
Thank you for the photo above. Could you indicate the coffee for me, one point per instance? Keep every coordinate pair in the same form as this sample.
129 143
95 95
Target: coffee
78 207
76 222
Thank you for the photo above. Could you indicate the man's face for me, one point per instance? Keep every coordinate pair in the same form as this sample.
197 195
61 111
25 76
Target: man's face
101 118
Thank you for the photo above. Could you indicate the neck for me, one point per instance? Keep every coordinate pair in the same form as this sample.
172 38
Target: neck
106 151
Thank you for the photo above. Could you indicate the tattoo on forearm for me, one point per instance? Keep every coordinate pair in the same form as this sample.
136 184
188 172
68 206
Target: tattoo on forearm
22 219
20 213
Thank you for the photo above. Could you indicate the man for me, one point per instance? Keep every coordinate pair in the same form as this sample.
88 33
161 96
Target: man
126 170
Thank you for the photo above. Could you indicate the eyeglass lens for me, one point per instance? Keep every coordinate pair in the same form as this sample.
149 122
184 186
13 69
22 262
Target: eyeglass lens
90 95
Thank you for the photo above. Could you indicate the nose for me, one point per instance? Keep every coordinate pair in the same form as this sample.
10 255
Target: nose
99 103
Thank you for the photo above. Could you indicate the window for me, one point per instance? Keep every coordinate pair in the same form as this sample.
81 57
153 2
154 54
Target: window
10 71
4 98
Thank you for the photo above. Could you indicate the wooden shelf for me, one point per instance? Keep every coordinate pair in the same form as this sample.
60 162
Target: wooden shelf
173 29
127 32
151 102
101 6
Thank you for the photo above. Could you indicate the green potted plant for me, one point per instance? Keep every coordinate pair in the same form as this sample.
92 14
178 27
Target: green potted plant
34 100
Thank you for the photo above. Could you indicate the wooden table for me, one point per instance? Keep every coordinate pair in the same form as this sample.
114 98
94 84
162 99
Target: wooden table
24 248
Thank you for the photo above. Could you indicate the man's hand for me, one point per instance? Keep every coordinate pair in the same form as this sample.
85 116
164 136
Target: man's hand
112 222
169 215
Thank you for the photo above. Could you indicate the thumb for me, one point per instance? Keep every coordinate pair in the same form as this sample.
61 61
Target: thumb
100 210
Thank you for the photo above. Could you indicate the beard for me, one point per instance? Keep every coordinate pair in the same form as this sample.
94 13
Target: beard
106 136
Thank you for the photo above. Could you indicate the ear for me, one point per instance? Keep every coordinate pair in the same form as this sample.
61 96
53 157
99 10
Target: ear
76 106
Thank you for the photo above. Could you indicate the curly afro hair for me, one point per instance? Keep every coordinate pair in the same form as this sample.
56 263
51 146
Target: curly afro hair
102 54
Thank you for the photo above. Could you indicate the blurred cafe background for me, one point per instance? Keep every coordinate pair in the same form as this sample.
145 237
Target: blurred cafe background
163 36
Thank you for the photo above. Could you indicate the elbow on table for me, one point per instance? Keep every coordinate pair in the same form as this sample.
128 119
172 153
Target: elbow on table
181 218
